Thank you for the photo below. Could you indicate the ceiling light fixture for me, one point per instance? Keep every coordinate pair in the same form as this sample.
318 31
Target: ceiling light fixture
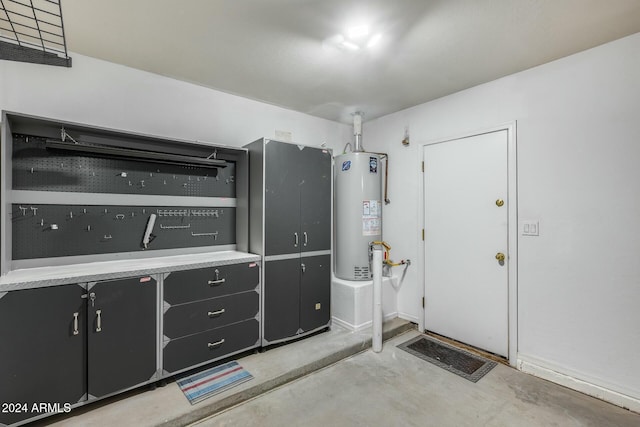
356 38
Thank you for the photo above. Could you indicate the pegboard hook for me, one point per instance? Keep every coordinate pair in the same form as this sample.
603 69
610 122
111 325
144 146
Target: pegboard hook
64 135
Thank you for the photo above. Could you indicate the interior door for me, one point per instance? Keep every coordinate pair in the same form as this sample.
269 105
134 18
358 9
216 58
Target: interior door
466 215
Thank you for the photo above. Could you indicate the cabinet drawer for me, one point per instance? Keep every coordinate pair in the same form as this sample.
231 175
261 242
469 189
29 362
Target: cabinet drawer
205 283
186 319
206 346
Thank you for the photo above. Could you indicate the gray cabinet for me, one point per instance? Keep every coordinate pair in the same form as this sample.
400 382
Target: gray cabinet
122 334
43 349
314 292
74 344
281 299
210 313
69 344
290 226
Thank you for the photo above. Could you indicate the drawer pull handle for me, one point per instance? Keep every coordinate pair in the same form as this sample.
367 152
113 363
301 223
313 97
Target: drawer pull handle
218 280
99 321
216 313
215 344
75 323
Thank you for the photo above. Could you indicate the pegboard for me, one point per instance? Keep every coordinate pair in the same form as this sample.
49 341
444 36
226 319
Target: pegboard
39 169
43 231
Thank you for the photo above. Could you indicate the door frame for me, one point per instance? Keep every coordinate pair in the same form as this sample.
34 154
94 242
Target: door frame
512 229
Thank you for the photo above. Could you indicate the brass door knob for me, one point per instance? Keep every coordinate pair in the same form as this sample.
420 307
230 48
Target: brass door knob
499 202
500 256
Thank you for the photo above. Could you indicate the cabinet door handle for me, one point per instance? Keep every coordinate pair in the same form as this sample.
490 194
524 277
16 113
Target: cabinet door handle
295 240
216 282
305 239
215 313
99 320
215 344
75 323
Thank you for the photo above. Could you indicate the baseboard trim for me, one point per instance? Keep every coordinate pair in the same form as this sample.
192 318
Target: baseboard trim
410 318
365 325
342 323
602 393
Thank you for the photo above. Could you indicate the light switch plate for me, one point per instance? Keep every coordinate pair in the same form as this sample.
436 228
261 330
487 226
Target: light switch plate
530 228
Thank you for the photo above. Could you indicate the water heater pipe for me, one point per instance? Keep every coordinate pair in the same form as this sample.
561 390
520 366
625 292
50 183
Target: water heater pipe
385 156
376 339
357 131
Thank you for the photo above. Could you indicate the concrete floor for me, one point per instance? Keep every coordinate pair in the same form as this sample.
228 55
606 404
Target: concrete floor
167 406
334 379
394 388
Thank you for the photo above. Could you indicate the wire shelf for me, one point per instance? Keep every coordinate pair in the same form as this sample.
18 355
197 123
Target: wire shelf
32 25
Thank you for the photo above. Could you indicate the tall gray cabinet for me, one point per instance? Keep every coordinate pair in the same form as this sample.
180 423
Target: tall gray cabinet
290 226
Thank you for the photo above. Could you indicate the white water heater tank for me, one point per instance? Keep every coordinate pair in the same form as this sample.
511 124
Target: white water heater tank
358 212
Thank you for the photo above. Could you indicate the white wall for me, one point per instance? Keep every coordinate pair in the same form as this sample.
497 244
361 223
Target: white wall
104 94
578 137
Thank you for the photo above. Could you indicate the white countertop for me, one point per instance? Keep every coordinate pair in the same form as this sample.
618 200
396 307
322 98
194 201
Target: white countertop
93 271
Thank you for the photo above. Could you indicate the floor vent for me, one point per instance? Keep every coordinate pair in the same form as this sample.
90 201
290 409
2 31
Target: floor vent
448 357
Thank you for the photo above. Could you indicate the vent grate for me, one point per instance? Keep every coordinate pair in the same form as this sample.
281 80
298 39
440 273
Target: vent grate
361 272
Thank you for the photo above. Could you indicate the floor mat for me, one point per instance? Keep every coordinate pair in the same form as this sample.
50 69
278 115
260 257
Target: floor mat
202 385
453 359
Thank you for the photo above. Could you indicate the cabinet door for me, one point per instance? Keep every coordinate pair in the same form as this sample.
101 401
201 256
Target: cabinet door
315 198
282 199
281 298
42 357
315 292
122 334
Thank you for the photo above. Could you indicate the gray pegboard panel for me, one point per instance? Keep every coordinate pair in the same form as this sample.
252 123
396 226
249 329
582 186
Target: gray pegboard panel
36 168
44 231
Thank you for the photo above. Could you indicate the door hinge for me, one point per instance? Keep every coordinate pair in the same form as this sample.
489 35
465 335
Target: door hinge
423 166
422 302
423 234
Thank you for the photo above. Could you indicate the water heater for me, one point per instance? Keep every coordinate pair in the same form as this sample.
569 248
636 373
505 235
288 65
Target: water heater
358 212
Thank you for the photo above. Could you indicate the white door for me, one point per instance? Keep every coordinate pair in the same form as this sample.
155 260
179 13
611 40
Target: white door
466 285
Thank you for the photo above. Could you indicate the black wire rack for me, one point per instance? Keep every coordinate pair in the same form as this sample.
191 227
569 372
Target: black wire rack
33 31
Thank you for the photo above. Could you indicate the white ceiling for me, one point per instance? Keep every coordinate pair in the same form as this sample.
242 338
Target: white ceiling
273 50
